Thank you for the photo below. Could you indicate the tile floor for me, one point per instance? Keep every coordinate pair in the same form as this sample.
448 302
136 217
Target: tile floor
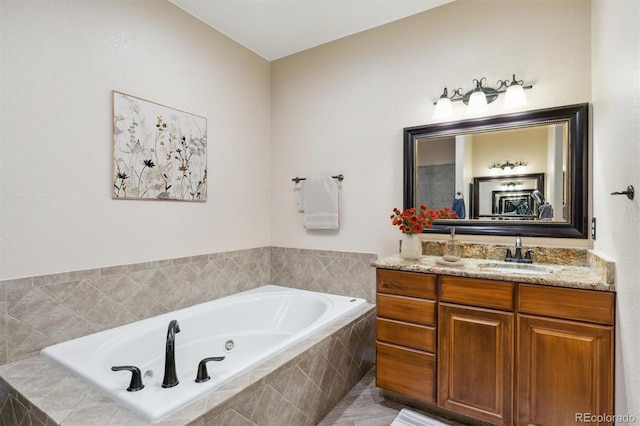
364 405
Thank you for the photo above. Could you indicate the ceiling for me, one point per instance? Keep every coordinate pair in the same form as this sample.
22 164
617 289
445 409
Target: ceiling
277 28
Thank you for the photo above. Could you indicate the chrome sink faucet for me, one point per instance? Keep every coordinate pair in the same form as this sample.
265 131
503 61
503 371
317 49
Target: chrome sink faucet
517 257
170 376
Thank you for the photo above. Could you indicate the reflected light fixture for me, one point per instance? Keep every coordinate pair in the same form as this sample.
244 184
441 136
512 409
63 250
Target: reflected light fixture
478 98
507 165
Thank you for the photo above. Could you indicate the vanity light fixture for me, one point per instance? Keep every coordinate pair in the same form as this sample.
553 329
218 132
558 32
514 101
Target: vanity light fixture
478 98
477 103
444 110
507 165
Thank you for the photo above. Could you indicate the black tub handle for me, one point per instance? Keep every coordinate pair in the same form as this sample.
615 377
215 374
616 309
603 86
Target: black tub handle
136 377
202 375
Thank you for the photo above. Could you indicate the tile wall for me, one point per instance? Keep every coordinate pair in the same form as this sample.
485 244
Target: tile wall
345 273
36 312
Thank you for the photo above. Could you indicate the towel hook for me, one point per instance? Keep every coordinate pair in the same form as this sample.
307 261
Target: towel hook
629 192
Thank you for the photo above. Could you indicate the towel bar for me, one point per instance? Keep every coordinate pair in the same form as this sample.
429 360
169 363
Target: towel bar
298 179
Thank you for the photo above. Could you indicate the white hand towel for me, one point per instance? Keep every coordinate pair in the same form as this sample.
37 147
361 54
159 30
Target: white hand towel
301 198
321 203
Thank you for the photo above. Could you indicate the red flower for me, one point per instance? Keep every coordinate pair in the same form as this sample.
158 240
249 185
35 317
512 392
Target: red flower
414 220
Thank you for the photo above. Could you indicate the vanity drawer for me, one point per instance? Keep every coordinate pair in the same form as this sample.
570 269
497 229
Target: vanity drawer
406 371
481 293
568 303
401 333
406 283
407 309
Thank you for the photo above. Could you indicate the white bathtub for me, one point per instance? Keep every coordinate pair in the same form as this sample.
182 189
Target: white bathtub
261 323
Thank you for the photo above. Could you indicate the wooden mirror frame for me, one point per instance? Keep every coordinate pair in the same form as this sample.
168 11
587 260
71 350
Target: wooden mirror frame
577 118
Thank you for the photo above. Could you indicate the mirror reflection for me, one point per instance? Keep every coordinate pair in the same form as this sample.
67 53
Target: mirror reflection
508 174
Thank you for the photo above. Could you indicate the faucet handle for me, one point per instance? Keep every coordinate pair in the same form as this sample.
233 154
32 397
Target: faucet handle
136 378
508 255
527 254
202 375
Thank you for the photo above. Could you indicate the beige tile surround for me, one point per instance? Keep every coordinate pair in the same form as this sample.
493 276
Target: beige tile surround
36 312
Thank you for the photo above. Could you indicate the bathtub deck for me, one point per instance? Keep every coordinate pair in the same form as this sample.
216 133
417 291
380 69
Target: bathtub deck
298 386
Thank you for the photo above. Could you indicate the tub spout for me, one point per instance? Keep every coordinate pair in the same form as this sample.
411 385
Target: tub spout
170 376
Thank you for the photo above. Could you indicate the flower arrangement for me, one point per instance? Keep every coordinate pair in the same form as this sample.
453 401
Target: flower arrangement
414 220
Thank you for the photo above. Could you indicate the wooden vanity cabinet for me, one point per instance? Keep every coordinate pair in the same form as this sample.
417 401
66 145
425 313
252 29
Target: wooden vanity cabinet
476 348
406 333
565 355
501 352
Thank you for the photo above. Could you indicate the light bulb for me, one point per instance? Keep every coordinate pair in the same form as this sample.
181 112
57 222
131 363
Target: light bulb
477 102
514 97
444 110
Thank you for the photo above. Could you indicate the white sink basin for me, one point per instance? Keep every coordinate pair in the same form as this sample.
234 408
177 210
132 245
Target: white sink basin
517 268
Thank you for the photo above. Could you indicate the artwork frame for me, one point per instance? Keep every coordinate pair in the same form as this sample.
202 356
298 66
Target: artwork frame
512 202
159 152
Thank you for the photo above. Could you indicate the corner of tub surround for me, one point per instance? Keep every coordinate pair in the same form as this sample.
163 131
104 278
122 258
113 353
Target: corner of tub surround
298 386
302 384
327 271
17 410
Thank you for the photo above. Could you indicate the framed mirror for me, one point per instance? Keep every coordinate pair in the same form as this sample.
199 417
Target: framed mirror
520 174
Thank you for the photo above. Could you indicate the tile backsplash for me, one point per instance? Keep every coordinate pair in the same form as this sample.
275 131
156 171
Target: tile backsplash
36 312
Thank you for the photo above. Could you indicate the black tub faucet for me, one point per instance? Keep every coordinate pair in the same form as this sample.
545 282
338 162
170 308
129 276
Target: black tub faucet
170 376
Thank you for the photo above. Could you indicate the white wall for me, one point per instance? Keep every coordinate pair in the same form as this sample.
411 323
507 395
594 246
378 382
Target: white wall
341 107
60 62
616 155
527 145
436 151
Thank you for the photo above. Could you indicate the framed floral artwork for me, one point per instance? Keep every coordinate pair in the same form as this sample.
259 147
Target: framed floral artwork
159 153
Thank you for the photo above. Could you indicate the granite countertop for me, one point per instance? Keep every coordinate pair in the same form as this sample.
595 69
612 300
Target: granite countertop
581 277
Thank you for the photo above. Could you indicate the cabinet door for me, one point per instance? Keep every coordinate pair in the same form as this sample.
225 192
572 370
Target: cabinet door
565 370
475 369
